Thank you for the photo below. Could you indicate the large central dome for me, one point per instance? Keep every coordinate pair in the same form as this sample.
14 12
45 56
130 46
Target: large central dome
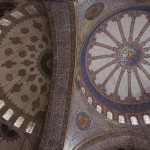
115 61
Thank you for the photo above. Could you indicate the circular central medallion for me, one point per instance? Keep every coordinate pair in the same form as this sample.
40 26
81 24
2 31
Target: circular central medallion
129 55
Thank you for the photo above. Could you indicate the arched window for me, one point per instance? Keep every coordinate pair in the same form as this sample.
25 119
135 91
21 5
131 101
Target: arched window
146 119
99 108
134 120
121 119
89 100
19 122
83 90
109 115
8 114
1 104
30 127
16 14
31 9
5 22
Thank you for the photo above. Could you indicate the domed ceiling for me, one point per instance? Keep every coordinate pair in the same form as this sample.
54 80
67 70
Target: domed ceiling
26 59
115 62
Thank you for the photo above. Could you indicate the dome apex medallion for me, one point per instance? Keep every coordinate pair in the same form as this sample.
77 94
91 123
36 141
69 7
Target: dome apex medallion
129 55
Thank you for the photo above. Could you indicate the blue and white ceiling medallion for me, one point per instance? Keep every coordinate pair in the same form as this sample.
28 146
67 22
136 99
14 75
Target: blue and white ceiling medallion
115 61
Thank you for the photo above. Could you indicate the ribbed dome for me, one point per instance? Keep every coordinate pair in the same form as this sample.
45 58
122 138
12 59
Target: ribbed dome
115 61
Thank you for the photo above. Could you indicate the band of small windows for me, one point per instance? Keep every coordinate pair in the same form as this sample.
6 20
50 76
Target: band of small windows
17 15
121 118
9 113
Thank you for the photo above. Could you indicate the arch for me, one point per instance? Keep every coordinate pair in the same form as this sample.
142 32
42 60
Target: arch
65 64
146 119
121 119
111 140
8 133
30 127
109 115
19 122
8 114
134 120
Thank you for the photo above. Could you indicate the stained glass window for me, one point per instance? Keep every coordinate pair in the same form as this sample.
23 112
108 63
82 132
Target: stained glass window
146 119
109 115
19 122
8 114
30 127
134 120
